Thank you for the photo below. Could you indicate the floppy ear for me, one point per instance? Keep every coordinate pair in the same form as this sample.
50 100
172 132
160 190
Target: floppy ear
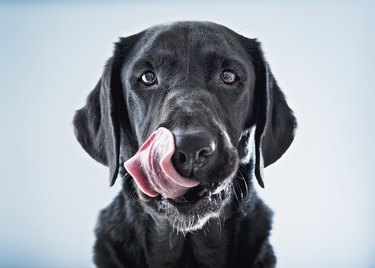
98 126
275 122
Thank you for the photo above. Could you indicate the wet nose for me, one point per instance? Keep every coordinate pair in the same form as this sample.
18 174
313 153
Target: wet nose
195 150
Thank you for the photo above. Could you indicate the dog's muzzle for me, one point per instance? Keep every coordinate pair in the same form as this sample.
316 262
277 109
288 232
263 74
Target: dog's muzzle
153 170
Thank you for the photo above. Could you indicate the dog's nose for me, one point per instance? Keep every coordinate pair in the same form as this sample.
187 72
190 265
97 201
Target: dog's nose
195 151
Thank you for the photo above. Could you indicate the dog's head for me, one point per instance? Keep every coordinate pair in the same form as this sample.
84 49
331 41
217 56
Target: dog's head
176 106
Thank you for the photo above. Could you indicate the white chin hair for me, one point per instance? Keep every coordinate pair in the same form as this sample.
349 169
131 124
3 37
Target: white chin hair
187 225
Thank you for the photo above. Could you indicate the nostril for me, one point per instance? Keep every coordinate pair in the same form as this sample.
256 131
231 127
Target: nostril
206 151
180 158
182 163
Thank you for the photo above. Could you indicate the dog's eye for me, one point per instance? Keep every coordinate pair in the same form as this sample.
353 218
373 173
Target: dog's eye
228 77
149 78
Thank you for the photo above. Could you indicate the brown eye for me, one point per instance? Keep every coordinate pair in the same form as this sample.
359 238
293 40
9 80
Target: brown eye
228 77
149 78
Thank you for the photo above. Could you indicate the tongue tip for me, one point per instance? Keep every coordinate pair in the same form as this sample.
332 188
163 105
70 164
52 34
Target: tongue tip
133 165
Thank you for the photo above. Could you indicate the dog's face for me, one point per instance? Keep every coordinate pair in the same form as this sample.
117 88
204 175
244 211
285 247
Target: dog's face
196 89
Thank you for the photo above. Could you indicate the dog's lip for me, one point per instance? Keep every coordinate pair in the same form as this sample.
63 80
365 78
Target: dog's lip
203 195
204 205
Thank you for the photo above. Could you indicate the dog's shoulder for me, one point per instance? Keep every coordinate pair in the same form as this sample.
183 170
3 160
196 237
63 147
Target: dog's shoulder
117 237
250 229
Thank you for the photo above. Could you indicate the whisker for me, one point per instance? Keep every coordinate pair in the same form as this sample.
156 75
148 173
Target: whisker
244 180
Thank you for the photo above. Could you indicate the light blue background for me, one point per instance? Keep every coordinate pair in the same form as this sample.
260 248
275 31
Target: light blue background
322 190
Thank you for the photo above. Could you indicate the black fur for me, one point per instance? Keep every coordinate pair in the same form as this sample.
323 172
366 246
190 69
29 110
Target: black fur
250 120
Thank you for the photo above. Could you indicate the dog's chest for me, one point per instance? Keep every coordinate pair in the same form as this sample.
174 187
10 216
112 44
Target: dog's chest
201 249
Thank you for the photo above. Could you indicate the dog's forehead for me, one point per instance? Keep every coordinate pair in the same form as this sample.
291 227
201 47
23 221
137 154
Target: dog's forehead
184 37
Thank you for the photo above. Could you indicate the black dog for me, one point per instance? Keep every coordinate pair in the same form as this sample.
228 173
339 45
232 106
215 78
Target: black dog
193 112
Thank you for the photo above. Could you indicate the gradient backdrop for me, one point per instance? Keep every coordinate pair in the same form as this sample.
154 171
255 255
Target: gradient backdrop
322 190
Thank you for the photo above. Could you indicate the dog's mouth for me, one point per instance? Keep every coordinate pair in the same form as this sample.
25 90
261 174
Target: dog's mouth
195 194
152 168
162 187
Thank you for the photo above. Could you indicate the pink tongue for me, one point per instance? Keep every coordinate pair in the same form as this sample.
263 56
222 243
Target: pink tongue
152 167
